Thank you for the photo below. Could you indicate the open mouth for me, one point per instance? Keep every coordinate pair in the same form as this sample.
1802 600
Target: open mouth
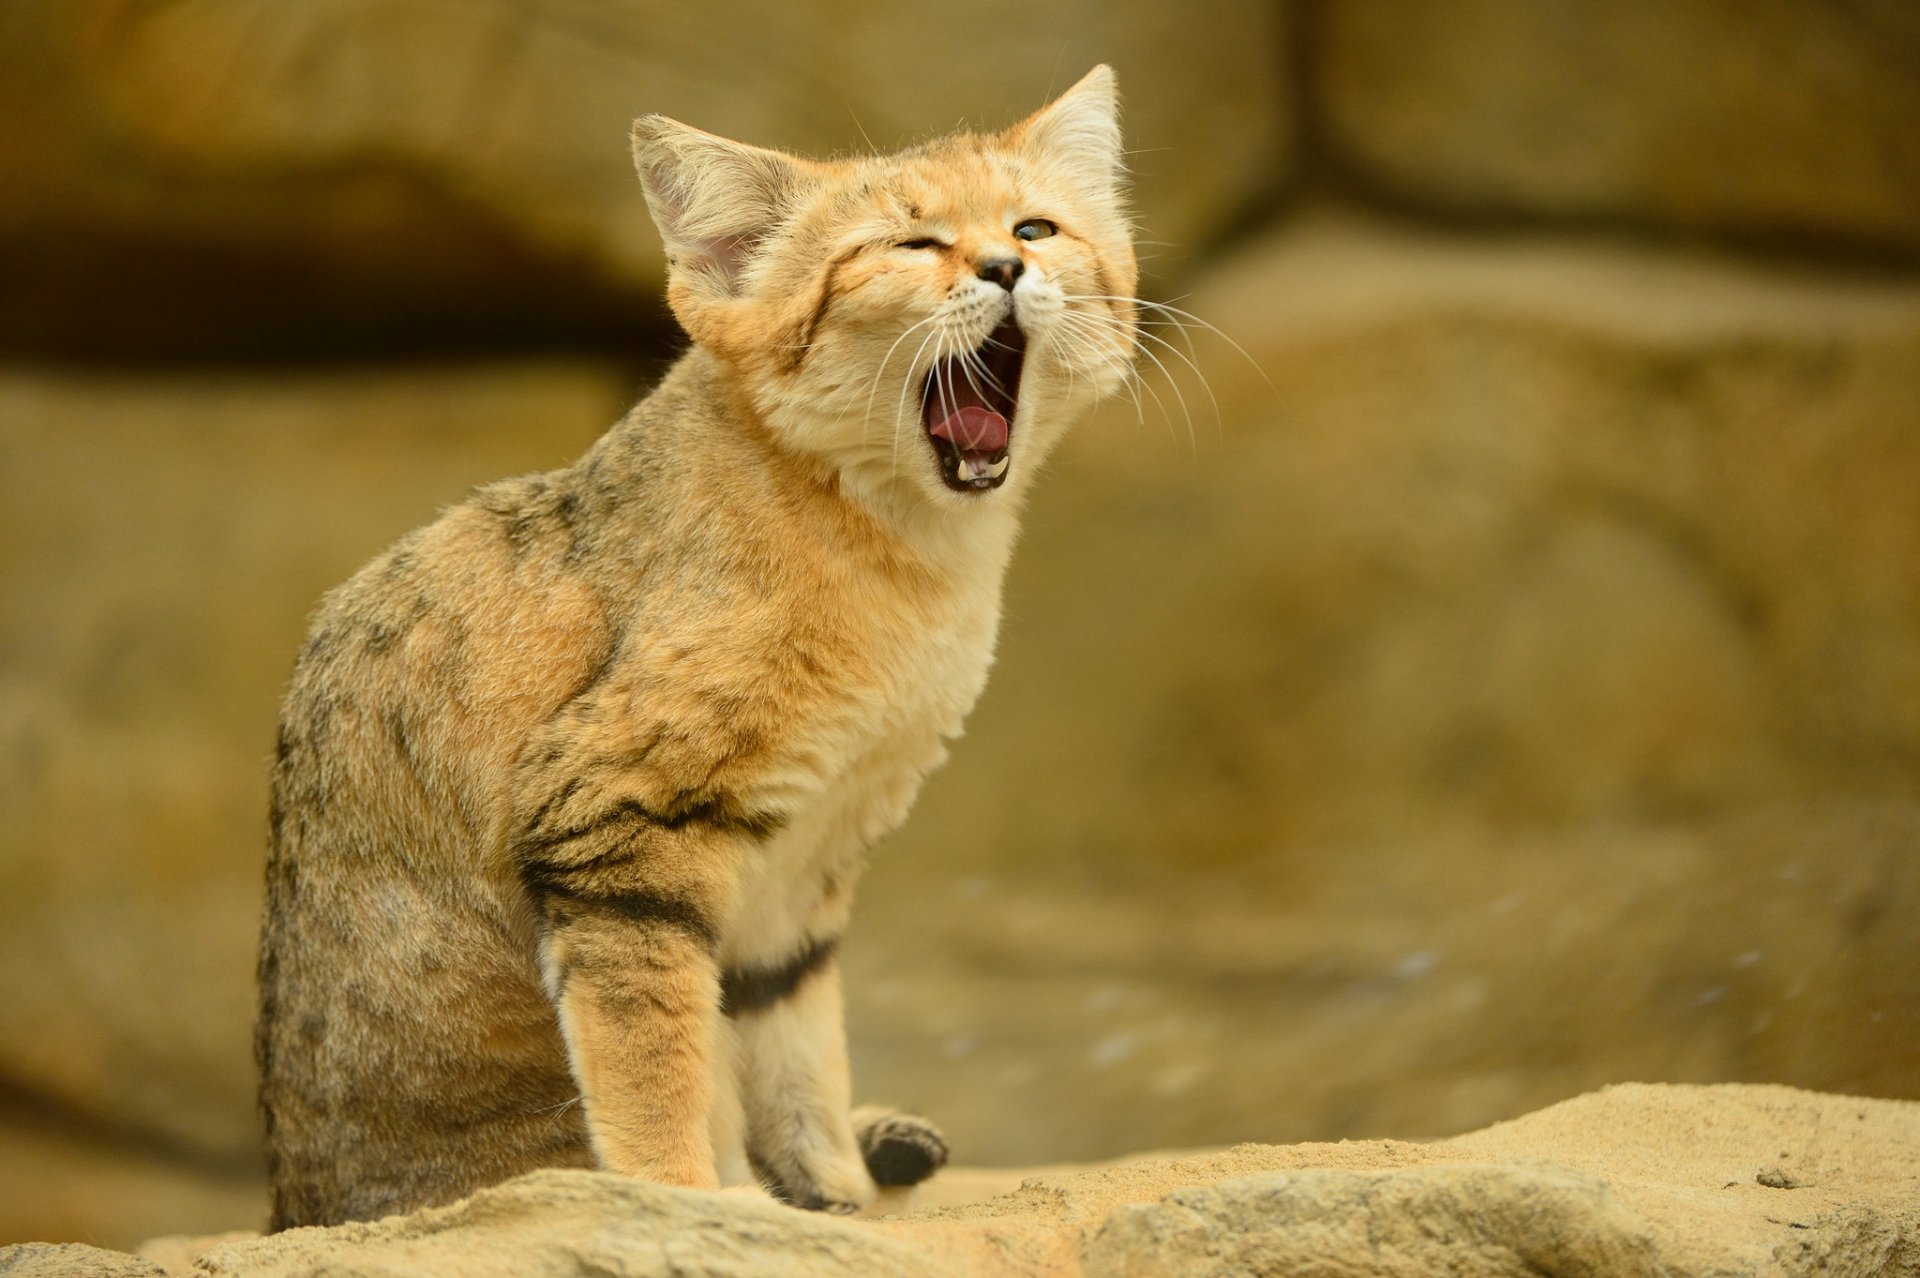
968 406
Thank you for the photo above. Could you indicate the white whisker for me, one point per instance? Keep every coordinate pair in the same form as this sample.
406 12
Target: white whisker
881 371
1179 319
1086 323
900 406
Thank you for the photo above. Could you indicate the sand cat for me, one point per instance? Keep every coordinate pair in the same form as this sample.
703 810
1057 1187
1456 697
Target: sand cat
573 785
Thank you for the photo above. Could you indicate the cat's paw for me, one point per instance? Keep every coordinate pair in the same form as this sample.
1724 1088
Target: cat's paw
836 1186
899 1148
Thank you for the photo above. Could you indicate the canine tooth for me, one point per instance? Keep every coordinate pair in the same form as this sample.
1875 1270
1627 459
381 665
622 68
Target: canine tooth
996 469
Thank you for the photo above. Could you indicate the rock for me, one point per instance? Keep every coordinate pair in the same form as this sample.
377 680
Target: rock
570 1222
371 174
164 540
1492 1222
175 1253
72 1260
1683 1158
1629 1181
1779 121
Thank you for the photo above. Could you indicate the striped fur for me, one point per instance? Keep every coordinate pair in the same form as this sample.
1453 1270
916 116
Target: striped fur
573 785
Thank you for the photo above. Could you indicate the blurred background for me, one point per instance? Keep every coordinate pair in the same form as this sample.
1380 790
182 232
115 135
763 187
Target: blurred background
1500 680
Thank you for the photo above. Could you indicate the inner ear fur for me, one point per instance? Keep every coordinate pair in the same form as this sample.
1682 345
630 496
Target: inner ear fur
1077 135
715 202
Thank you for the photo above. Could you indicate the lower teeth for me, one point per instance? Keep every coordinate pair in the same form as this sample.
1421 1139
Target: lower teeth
969 471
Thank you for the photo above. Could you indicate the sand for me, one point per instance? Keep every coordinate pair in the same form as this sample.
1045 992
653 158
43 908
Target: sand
1637 1179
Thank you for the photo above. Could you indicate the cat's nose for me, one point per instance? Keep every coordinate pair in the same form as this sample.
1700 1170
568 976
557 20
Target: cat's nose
1001 270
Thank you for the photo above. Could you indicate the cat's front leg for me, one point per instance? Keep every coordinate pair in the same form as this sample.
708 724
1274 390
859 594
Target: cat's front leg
794 1079
631 907
634 1007
728 1124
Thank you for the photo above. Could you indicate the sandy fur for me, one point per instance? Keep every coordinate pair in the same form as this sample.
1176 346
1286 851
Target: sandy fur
573 785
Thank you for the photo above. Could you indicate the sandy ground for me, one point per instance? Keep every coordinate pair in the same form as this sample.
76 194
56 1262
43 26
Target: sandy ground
1635 1179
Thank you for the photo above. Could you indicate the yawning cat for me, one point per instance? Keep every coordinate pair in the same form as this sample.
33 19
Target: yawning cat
573 785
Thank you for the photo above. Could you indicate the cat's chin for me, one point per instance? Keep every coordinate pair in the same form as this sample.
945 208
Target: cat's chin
967 409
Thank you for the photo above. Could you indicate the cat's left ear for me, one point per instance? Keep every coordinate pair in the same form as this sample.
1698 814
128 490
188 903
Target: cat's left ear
715 201
1077 135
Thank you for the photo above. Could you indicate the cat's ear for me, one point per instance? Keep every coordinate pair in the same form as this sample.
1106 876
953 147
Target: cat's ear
1078 133
714 200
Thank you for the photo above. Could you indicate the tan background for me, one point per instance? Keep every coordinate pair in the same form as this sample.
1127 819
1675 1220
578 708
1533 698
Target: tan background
1500 680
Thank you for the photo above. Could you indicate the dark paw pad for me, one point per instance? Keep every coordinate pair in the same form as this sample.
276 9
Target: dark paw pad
902 1149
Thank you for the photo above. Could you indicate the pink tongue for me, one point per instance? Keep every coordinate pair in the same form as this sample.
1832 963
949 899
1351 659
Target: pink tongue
973 430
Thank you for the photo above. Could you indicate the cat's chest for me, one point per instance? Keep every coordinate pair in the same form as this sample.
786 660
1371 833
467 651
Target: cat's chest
873 663
906 693
862 764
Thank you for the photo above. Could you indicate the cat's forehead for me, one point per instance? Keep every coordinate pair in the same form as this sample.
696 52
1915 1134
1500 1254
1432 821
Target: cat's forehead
957 179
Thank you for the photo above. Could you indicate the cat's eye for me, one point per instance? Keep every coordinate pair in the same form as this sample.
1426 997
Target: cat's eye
1034 228
920 244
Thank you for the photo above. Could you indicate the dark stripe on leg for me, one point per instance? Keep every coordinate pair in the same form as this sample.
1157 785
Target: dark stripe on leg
554 889
717 812
754 989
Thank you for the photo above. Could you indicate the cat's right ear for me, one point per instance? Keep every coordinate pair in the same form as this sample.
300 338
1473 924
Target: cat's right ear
715 202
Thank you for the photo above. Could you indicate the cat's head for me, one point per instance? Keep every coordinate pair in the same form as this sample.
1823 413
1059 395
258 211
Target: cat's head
926 323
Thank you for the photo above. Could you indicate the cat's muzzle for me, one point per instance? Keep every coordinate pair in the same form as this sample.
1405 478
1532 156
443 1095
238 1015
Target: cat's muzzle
967 408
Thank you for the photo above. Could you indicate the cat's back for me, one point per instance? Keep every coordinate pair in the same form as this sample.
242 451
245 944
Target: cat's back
404 1044
674 581
438 658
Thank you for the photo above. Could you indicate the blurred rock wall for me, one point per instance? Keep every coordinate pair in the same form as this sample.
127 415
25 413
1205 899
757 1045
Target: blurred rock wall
1775 122
366 176
1490 670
